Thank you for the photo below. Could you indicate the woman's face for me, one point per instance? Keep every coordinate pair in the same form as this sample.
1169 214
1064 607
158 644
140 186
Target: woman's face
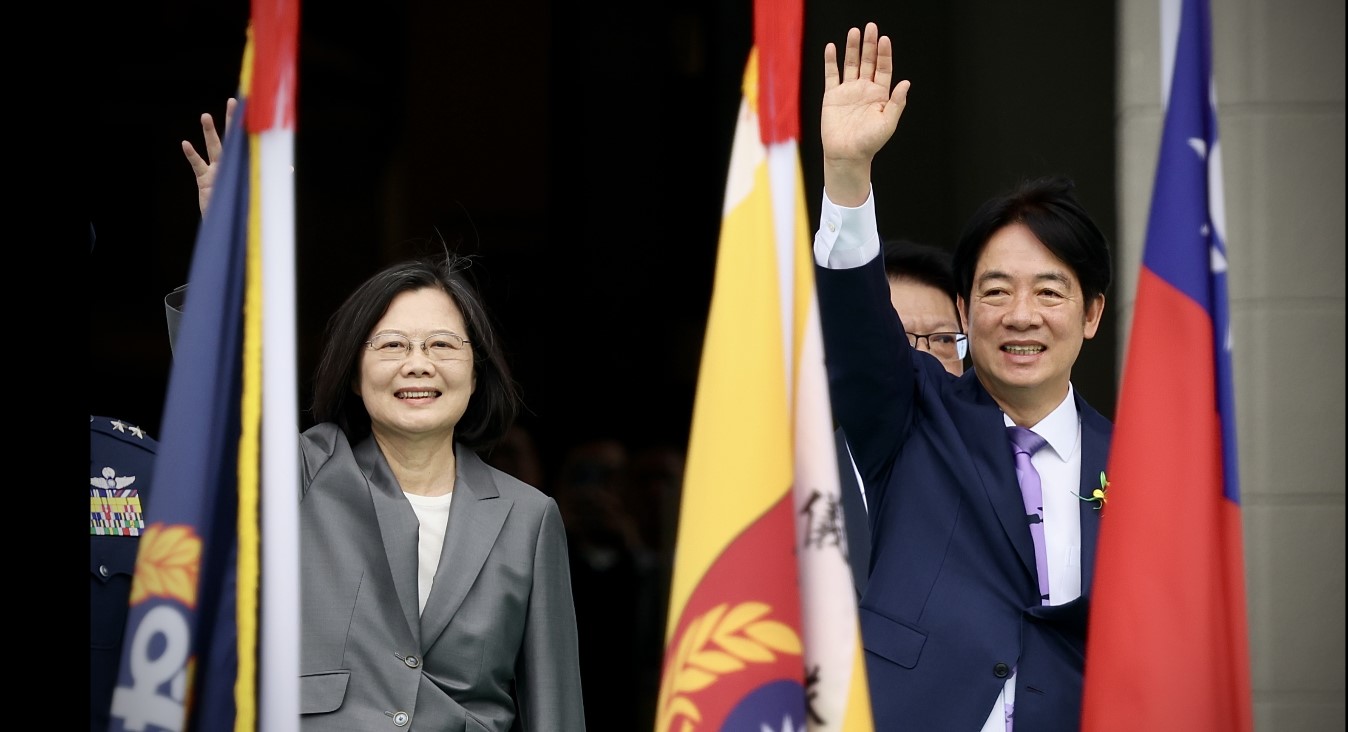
421 391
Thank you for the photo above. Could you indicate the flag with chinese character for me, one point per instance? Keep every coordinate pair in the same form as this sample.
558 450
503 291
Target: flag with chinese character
191 655
1167 646
762 631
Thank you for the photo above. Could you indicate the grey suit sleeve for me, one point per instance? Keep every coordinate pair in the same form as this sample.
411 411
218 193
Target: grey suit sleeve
173 311
548 676
317 446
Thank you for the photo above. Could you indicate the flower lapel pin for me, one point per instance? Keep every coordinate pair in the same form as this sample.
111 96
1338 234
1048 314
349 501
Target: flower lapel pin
1100 495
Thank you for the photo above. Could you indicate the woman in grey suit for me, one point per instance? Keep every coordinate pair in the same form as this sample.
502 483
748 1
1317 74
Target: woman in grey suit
435 589
436 593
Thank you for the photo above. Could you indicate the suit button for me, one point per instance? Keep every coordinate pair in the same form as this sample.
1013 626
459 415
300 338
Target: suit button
103 570
400 719
1001 670
412 661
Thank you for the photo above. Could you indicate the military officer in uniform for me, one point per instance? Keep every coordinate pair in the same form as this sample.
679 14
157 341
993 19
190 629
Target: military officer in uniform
121 461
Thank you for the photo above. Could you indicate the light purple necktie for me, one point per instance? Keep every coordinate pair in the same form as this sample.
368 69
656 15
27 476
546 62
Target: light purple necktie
1027 443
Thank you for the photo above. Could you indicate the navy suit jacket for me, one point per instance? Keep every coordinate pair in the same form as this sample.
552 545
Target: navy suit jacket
854 516
952 604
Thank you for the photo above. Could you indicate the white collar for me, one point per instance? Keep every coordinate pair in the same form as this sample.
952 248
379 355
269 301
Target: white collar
1059 427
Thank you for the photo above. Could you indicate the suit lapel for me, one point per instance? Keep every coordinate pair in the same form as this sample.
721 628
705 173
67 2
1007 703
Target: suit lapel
476 516
1095 436
983 430
397 527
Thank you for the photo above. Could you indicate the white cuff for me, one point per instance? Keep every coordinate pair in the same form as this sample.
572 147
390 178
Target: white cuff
847 237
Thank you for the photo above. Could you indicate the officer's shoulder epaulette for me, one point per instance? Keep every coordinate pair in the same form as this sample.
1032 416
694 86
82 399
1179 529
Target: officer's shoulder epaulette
124 431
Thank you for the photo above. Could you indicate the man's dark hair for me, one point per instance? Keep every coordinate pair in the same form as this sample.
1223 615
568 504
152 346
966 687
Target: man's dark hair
923 262
1049 208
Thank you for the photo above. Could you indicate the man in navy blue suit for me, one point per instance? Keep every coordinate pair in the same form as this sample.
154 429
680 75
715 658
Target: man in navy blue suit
975 614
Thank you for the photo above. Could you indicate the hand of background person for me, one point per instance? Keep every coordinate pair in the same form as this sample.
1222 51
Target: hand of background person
859 112
204 168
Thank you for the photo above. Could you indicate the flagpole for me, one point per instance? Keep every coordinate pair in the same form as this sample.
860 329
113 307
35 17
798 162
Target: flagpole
277 23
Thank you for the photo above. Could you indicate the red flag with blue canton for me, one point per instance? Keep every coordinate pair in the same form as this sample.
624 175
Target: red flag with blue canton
1168 647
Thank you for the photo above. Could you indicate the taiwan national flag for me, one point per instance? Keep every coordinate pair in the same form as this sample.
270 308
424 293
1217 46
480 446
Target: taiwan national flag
762 633
212 636
1167 647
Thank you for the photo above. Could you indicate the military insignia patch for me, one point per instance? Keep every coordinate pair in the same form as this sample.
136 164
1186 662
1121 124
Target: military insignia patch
114 508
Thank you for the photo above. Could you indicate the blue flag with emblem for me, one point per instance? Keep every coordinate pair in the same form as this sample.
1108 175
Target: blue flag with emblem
179 658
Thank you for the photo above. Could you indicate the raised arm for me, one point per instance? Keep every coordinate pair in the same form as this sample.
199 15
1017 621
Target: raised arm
859 112
872 384
204 168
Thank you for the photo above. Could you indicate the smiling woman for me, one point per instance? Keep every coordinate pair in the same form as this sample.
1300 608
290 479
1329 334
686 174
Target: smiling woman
391 309
411 382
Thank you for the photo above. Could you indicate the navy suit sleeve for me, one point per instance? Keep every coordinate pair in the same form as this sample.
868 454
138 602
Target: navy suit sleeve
872 383
856 522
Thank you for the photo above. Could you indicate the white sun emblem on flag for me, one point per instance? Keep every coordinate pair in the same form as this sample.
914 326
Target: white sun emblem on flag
787 726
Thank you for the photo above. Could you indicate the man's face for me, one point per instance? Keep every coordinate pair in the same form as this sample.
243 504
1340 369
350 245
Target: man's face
1027 320
926 309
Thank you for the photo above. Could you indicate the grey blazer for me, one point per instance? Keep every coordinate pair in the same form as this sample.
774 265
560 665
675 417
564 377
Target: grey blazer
496 646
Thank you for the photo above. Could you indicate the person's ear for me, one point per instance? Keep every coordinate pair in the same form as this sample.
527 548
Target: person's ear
1095 309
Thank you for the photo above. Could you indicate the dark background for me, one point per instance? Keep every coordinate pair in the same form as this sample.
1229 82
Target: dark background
581 150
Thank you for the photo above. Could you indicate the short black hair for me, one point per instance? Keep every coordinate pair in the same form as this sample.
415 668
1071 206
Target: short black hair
495 401
1049 208
925 263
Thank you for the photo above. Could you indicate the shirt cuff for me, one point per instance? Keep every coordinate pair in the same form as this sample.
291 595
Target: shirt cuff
847 237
